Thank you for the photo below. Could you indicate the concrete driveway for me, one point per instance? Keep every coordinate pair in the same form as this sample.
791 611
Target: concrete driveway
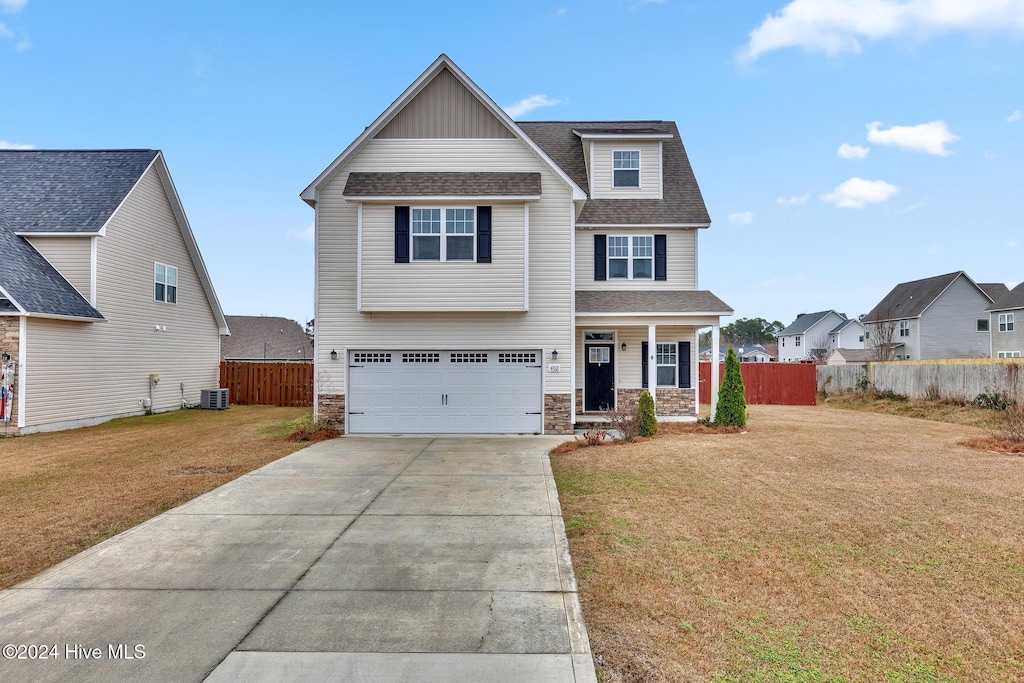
363 558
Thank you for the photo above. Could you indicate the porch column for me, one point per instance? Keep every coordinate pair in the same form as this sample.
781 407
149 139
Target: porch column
714 370
652 361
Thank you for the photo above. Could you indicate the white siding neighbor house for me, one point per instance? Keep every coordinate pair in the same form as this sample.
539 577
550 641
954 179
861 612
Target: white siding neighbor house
106 307
1006 325
475 274
809 336
938 317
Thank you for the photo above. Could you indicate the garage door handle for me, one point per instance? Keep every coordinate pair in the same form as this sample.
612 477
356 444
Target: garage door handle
537 413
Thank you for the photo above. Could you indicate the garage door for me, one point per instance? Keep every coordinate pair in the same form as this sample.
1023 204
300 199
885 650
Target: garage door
446 392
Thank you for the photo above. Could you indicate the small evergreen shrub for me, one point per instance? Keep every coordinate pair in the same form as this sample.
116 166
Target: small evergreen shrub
731 408
648 421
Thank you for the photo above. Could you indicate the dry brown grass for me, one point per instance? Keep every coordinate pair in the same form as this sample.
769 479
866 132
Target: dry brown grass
66 491
939 410
821 545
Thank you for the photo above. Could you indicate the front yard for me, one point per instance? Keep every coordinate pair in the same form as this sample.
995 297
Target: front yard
821 545
63 492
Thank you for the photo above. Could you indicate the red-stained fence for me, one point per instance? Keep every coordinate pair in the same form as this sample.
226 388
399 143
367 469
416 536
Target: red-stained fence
786 384
267 384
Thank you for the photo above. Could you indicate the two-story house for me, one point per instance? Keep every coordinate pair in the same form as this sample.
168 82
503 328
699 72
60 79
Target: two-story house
1006 324
938 317
106 307
810 335
475 274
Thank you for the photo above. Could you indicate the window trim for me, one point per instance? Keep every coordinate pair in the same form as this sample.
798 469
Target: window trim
674 364
799 339
164 283
444 234
904 328
631 246
1008 354
638 169
983 322
1006 322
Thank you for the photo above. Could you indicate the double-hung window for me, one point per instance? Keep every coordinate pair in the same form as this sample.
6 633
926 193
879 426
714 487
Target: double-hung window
626 168
458 241
165 283
1006 322
630 257
666 360
904 328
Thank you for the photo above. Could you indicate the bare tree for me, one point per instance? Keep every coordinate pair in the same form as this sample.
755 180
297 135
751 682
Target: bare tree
880 336
820 346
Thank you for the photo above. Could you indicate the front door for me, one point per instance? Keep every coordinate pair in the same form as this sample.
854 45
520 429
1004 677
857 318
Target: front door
599 378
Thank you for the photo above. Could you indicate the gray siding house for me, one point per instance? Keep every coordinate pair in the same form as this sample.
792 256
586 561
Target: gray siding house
1006 325
938 317
809 336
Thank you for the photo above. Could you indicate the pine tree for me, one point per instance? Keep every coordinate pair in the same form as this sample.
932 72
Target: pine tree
648 421
732 407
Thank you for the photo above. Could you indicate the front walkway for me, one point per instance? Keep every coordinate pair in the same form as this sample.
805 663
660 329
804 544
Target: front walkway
363 558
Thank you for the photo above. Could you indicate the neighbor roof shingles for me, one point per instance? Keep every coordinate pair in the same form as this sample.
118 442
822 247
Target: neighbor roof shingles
909 299
1012 299
804 323
664 301
437 184
284 339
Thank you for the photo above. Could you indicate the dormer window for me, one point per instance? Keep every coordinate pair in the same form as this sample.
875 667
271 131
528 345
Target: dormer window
626 168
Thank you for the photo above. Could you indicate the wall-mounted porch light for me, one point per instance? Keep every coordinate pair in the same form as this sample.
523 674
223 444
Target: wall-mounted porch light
623 347
554 355
334 355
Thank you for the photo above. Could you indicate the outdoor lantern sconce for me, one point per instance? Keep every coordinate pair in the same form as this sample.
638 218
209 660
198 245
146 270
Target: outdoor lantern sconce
5 357
554 355
623 347
334 355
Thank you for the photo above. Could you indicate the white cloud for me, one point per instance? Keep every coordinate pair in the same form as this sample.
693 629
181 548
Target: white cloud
924 137
1017 115
848 151
802 199
855 193
12 6
527 105
10 145
742 217
908 209
1012 245
836 26
306 235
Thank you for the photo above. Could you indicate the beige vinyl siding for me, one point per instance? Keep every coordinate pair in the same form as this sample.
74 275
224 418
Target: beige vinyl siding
680 259
444 108
601 170
87 371
629 363
438 285
71 256
547 324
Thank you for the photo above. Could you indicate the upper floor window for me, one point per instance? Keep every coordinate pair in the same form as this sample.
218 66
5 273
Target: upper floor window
626 169
631 258
1006 322
459 237
165 283
904 328
798 339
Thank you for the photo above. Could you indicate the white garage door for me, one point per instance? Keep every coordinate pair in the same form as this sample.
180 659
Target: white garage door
445 392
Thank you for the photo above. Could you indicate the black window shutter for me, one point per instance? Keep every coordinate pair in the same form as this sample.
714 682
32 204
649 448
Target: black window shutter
643 366
600 257
683 356
483 234
401 234
660 258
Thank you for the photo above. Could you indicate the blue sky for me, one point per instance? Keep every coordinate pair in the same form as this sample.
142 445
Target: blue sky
842 147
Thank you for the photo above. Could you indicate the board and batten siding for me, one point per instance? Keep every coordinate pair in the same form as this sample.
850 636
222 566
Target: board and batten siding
443 286
680 259
949 326
340 326
601 170
71 256
82 372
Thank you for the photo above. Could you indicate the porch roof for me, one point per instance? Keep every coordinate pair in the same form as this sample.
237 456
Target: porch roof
442 184
638 302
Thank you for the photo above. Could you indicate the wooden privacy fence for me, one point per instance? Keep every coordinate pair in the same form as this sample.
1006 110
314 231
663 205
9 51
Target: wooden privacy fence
267 384
955 380
785 384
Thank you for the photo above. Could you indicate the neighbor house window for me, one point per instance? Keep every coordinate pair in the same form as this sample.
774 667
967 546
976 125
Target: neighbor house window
1006 322
630 257
982 324
165 283
1009 354
904 328
459 240
861 338
783 339
626 169
666 359
798 340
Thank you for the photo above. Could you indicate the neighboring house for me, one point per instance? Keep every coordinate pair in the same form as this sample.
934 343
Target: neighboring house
843 356
704 355
1006 325
475 274
753 354
808 337
259 337
105 303
944 316
848 334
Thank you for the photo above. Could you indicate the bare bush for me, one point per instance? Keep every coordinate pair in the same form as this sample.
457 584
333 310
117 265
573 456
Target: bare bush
594 436
1008 424
931 392
626 421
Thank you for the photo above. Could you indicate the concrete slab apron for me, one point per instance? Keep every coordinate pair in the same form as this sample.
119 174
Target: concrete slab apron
364 558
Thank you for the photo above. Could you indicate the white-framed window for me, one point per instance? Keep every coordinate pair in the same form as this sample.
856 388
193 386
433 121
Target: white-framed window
798 340
904 328
982 324
783 340
666 360
456 242
861 338
626 168
165 283
1008 354
631 257
1006 322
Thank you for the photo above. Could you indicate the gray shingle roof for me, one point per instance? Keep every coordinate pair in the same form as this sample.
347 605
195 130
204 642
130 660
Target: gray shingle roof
843 325
1013 298
659 301
407 184
805 322
683 202
284 339
857 355
994 290
909 299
